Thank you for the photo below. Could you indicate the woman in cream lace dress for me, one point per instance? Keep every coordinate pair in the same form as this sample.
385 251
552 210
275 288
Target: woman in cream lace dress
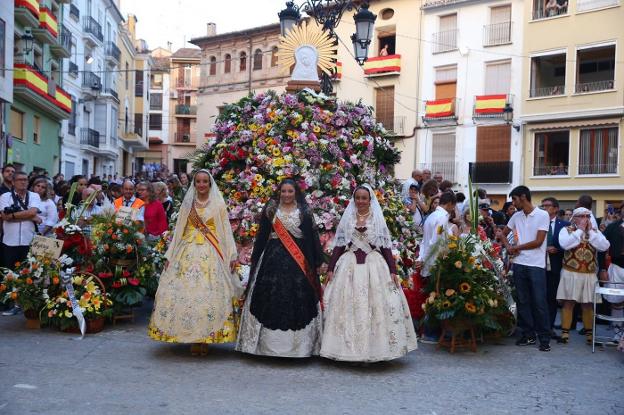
197 296
366 315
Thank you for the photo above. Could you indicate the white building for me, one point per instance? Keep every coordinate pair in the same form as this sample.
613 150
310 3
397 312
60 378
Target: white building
471 68
6 77
160 119
90 145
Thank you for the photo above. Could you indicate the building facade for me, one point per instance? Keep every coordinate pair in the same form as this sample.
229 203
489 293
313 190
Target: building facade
159 111
573 100
7 31
232 66
472 77
40 102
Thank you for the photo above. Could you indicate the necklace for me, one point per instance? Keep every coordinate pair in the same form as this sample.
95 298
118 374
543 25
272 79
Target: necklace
362 215
201 204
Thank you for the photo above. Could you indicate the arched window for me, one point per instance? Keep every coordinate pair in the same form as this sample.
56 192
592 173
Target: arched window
257 62
213 65
227 63
274 56
242 64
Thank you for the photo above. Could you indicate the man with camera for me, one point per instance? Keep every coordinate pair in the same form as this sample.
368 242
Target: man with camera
18 212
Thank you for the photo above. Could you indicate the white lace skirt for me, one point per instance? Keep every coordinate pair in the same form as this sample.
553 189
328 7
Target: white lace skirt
366 317
577 286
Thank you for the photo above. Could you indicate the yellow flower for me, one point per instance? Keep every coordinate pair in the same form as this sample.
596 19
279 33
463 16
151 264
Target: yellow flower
276 152
471 260
439 230
464 287
450 292
317 129
83 303
452 245
78 280
458 264
446 304
253 127
258 178
68 314
470 307
453 238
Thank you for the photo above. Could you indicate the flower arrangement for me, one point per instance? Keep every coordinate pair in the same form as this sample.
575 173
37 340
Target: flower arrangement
117 239
327 146
93 303
464 286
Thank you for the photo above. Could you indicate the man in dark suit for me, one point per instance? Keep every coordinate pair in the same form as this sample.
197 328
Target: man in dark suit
554 258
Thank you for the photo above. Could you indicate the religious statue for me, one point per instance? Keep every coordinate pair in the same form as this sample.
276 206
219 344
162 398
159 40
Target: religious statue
306 58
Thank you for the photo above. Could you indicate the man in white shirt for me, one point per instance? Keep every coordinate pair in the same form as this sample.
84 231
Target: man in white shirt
415 179
19 210
435 224
530 224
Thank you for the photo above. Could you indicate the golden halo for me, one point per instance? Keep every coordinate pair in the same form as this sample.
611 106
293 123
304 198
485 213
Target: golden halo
310 35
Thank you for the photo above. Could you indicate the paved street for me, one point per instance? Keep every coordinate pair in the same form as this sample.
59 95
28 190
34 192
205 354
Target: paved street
121 371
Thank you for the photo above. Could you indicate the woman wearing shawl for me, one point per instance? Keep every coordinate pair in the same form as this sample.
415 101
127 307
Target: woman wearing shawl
282 313
198 294
366 317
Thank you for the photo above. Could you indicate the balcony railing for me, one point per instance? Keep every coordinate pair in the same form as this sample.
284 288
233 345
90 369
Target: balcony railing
548 91
549 170
609 168
46 92
73 69
445 41
64 39
182 109
113 51
91 80
491 172
382 64
90 137
112 92
184 83
182 136
594 86
394 125
93 27
491 106
542 13
74 11
497 34
583 5
440 110
27 12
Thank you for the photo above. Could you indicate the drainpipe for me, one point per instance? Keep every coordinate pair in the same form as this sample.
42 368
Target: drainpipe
249 63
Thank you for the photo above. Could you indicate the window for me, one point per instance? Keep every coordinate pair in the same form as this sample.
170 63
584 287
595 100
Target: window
493 143
551 153
548 75
386 42
274 58
16 124
387 14
127 76
257 60
2 46
595 69
156 81
498 32
446 82
138 123
543 9
598 151
582 5
156 103
71 125
155 122
36 129
114 120
126 122
384 108
213 66
242 62
443 155
446 39
227 64
138 84
497 77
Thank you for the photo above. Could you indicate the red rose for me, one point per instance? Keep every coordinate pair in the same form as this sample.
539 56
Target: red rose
126 274
116 284
365 143
133 281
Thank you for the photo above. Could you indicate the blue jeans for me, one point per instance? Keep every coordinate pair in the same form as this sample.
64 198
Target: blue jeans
532 304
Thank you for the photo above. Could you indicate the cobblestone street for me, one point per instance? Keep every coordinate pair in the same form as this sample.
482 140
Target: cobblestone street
121 371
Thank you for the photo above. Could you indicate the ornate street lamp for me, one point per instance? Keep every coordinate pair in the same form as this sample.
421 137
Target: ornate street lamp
327 13
28 39
508 113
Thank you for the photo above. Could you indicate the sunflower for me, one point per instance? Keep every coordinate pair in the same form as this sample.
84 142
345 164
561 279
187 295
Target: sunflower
471 308
446 304
464 288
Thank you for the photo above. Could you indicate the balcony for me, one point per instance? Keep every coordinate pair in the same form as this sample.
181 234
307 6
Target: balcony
440 111
549 91
62 46
182 137
90 139
491 172
91 83
48 28
595 69
491 106
113 54
74 12
110 92
394 125
43 93
601 169
185 83
540 11
497 34
594 87
73 69
585 5
92 31
383 66
27 12
445 41
182 110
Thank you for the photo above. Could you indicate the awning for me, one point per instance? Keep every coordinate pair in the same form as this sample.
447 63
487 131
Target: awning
573 124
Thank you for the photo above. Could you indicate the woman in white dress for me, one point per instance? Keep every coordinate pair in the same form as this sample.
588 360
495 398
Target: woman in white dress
48 212
366 317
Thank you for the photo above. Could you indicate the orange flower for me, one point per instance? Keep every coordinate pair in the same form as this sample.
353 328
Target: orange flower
125 231
18 264
110 231
29 281
86 295
2 287
114 237
55 280
464 287
129 249
35 266
14 296
471 308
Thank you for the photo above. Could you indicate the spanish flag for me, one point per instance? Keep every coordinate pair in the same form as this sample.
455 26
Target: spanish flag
48 21
380 64
490 104
440 108
32 5
338 74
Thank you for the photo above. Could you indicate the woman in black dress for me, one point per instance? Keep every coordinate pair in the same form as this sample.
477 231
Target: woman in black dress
282 312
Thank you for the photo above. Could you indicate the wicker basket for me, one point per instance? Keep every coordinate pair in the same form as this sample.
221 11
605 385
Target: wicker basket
95 325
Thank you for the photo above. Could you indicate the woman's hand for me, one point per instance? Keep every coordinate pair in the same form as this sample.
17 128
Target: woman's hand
395 278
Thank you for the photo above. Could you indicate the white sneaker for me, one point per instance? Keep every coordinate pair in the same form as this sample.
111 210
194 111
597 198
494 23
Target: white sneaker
12 312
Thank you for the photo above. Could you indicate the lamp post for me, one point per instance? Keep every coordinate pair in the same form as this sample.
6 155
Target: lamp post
28 39
508 113
327 13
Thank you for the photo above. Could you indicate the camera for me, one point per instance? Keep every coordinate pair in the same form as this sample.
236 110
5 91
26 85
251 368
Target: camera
9 210
610 209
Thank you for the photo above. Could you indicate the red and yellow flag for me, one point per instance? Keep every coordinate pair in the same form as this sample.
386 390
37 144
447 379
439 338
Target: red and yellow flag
380 64
48 21
440 108
490 104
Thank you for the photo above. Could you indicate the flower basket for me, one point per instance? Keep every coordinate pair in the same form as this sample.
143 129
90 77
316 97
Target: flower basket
457 333
95 325
32 319
122 262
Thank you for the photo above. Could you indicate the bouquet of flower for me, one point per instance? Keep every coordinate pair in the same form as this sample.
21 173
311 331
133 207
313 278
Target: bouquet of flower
93 303
328 146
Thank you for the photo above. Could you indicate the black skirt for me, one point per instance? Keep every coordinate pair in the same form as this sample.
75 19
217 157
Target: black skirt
282 297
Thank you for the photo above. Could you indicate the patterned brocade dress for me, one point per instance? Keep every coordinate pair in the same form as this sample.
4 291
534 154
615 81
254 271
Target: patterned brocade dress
197 296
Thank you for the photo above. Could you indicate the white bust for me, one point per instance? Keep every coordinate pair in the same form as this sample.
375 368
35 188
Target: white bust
306 58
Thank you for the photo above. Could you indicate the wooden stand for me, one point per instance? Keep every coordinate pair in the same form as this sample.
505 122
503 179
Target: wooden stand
296 86
458 340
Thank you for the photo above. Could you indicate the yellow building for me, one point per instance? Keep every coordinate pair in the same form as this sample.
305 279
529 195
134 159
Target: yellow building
573 100
389 80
